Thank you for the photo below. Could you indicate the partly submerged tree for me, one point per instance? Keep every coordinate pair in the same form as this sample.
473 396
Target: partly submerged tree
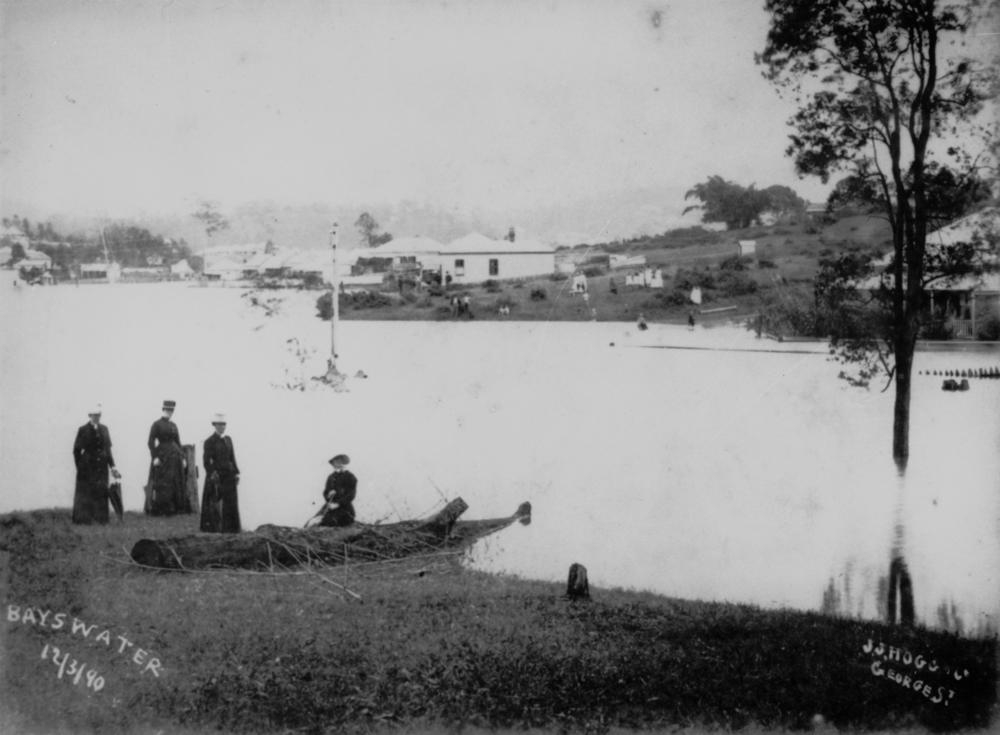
882 87
875 90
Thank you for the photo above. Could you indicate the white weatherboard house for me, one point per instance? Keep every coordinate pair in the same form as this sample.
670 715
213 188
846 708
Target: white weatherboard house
475 258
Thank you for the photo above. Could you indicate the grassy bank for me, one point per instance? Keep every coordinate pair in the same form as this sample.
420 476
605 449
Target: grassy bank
424 645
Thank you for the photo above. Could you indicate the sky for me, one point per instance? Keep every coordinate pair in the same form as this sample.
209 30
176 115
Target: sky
113 108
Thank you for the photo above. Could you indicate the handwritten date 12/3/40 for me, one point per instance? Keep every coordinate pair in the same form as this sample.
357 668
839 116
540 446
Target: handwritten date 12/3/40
74 670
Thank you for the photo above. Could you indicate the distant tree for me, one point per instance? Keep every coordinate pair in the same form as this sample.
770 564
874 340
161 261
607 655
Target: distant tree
784 202
723 201
875 89
210 217
368 227
17 253
511 235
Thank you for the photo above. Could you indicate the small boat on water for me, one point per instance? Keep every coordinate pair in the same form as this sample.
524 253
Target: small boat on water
271 546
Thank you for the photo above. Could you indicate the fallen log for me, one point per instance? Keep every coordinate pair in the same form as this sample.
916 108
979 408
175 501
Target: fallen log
273 546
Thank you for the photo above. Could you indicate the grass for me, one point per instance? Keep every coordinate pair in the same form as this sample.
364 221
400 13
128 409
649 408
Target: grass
433 648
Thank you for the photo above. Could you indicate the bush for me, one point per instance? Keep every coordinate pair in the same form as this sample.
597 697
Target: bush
492 286
538 294
353 300
735 283
686 279
765 263
989 330
670 298
558 276
734 263
937 329
592 271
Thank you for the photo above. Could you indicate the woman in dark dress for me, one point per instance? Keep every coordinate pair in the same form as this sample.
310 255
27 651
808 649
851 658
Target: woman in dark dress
341 488
168 493
93 458
220 509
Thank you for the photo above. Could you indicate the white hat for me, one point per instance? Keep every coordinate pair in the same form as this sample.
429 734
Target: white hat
219 418
95 408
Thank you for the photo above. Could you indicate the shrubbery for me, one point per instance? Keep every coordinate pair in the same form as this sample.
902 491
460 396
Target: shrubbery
353 300
492 286
989 330
538 294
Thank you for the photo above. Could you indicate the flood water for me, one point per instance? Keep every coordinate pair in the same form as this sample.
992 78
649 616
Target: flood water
699 464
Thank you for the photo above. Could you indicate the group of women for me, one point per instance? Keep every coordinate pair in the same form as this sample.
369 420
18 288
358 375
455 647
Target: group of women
167 492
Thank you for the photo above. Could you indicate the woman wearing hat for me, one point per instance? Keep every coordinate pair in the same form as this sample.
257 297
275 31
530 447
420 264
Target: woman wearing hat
168 493
341 487
92 454
220 509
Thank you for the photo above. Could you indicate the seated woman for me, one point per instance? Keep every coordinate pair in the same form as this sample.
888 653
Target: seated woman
341 487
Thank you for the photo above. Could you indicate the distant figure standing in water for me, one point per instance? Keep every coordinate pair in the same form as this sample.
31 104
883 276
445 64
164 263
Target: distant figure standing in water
341 488
641 323
690 320
220 509
167 491
93 458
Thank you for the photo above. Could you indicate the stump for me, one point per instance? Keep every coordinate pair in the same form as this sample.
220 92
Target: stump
577 587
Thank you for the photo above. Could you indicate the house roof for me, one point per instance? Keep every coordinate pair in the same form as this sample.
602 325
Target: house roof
224 264
405 246
474 242
15 233
984 223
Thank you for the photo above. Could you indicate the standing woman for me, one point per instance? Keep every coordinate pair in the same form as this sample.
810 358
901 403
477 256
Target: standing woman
92 454
168 494
220 508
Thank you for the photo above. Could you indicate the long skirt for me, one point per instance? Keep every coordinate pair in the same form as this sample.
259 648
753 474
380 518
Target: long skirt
341 515
167 483
220 507
90 498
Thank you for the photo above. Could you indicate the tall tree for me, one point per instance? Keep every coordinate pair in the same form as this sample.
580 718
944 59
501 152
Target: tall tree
878 83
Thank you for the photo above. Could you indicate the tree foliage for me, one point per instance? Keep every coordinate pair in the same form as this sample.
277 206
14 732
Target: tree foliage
741 206
882 89
368 227
210 217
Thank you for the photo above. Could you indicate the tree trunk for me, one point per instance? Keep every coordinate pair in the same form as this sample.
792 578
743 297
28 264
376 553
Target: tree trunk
900 584
901 408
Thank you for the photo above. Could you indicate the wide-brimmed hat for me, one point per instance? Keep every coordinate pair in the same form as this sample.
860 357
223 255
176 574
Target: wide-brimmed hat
340 459
95 409
169 405
219 418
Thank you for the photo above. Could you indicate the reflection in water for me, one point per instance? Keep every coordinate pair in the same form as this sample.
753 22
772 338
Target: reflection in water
888 593
900 590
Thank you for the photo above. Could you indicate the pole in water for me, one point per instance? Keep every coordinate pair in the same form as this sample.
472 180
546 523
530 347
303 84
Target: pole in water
332 374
